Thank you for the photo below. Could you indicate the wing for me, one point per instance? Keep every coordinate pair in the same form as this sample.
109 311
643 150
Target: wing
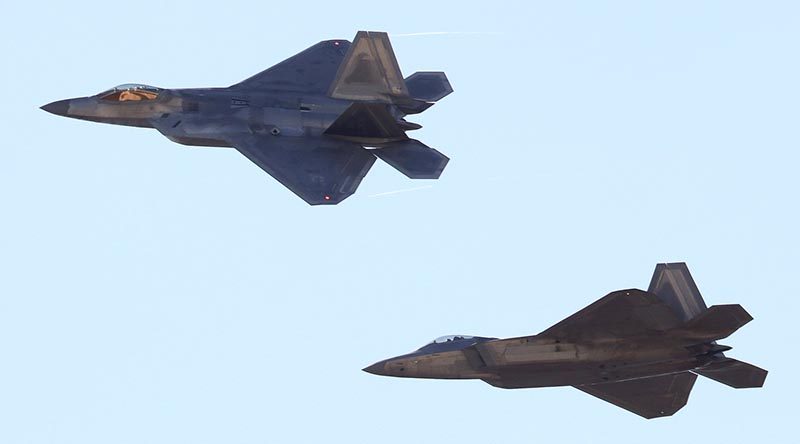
318 170
648 397
311 71
619 314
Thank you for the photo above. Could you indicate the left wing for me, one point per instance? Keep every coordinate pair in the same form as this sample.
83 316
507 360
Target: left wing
622 313
319 170
647 397
310 71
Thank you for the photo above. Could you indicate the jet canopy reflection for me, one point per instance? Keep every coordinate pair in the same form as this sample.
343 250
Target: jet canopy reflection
130 92
451 338
453 342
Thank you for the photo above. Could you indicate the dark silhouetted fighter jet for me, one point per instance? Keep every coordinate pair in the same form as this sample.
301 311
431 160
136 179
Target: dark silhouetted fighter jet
639 350
306 121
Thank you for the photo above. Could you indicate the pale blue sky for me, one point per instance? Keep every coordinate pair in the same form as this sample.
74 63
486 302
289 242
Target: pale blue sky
156 293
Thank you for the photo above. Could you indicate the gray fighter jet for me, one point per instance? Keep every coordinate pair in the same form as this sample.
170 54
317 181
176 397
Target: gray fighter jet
639 350
306 121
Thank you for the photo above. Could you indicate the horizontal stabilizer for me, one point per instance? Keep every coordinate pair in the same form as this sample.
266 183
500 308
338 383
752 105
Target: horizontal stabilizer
370 71
647 397
413 158
736 374
428 86
718 322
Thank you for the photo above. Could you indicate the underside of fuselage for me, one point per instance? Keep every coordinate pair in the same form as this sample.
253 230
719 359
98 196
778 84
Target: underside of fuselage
564 374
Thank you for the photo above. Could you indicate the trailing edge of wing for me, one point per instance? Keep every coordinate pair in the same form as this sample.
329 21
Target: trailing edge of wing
647 397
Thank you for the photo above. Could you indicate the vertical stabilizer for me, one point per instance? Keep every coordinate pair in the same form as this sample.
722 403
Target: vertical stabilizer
673 284
370 71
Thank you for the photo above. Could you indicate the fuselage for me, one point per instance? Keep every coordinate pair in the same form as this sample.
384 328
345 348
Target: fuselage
198 116
535 361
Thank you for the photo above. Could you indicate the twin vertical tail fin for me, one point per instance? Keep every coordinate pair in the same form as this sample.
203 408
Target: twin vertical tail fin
370 77
370 73
673 284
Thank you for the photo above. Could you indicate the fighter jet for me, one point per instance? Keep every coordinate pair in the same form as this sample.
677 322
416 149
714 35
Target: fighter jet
306 121
639 350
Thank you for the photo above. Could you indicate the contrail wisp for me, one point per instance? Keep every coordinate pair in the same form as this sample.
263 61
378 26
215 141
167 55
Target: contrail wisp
418 34
402 191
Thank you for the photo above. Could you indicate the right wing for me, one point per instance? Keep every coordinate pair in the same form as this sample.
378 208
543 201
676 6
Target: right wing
622 313
319 170
647 397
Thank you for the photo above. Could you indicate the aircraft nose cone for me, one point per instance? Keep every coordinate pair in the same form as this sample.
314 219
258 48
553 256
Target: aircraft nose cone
378 368
59 108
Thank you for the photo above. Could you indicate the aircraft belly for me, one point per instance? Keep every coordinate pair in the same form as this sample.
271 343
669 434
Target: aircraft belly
277 121
582 373
188 129
200 141
543 376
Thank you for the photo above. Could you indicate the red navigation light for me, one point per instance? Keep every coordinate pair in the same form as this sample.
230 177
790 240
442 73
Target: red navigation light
326 197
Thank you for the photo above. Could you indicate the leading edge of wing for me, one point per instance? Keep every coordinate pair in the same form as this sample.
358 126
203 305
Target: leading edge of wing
319 170
619 314
309 71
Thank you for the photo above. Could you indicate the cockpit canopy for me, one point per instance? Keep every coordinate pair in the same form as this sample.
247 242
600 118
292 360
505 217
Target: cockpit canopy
130 92
451 343
450 338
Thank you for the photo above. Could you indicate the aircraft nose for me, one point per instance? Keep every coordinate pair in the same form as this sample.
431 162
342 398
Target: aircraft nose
378 368
59 108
